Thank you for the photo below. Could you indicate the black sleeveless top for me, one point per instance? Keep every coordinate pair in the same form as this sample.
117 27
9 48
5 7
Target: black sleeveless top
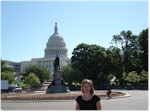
87 105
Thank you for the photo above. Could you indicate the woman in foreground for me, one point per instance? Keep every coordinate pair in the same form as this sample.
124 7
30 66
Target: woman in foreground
87 101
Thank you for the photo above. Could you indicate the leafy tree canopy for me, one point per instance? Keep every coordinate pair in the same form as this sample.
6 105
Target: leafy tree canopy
7 73
40 71
32 80
90 60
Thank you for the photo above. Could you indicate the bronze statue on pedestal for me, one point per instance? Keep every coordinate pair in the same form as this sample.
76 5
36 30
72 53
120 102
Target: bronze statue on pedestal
56 63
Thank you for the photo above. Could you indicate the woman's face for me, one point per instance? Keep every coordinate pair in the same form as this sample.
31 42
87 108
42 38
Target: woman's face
86 88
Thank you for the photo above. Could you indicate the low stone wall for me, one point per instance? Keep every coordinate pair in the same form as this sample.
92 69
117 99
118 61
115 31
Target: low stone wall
58 96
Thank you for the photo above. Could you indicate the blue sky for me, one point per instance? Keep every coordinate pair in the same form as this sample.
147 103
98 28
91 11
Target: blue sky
26 26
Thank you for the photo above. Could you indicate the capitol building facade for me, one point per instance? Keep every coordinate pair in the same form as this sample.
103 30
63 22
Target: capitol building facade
55 46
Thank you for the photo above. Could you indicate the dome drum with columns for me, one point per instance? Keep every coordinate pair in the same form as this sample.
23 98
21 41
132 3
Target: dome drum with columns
55 46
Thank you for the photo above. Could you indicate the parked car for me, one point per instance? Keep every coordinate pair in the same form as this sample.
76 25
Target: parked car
14 89
17 89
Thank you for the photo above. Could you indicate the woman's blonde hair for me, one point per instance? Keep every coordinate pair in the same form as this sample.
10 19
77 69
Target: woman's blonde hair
90 82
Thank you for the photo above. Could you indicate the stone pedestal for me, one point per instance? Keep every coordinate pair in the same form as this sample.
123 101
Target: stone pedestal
57 85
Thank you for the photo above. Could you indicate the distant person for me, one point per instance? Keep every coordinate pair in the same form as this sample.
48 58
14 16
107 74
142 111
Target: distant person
88 101
109 93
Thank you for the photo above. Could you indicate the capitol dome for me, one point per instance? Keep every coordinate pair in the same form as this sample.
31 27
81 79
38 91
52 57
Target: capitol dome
55 45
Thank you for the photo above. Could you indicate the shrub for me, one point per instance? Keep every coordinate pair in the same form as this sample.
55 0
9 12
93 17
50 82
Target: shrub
33 80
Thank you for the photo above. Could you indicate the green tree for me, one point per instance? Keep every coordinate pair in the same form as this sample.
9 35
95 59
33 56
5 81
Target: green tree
144 77
116 39
90 60
33 81
71 75
7 73
114 54
143 46
127 37
40 71
130 51
134 50
4 67
133 77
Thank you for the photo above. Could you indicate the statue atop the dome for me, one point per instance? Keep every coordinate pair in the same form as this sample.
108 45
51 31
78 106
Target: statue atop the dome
56 63
55 29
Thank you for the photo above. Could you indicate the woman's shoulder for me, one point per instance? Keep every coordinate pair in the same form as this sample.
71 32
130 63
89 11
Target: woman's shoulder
96 97
79 98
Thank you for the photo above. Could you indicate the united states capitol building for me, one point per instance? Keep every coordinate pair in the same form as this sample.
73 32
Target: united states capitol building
55 46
